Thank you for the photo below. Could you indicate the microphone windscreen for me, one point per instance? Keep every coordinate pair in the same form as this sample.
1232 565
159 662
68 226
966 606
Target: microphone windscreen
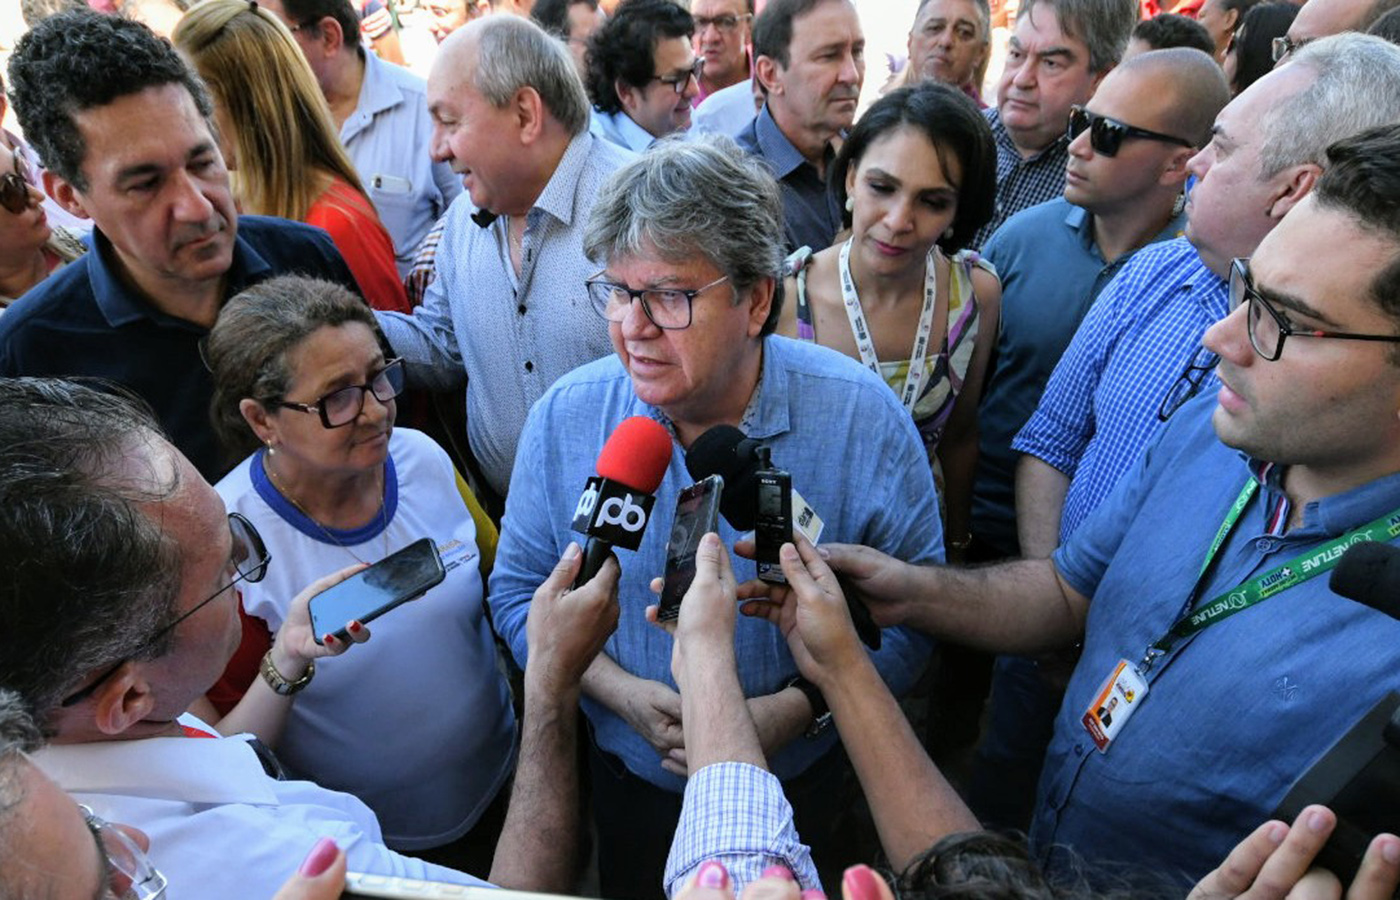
1369 573
637 454
727 452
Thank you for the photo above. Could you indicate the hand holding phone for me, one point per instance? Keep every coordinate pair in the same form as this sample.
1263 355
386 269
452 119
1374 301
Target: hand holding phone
697 513
368 594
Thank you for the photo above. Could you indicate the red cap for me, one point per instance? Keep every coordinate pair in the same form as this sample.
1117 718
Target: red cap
637 454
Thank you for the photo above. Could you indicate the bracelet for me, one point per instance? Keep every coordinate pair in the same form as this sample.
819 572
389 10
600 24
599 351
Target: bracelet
279 682
821 713
962 544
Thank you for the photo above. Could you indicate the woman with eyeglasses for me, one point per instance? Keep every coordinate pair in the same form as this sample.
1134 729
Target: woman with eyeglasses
917 176
417 723
278 140
30 249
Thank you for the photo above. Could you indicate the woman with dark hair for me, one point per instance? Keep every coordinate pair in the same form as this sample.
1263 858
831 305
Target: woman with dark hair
1249 55
917 176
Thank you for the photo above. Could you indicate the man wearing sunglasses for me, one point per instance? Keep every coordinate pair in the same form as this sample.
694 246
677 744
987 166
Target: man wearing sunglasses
642 74
1199 588
168 245
1128 150
120 597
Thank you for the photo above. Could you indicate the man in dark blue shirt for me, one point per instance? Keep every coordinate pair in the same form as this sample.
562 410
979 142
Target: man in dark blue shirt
124 128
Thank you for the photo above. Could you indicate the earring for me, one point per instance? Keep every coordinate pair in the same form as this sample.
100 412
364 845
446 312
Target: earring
948 233
850 204
1178 205
270 450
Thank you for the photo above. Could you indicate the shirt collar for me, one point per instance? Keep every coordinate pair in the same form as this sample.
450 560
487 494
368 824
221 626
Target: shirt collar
560 194
1004 141
776 148
631 135
377 93
193 770
120 306
766 414
1338 513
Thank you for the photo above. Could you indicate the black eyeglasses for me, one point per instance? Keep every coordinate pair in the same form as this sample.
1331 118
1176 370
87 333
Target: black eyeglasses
1188 383
344 405
667 308
723 23
1106 135
1269 328
678 81
14 188
247 562
1287 46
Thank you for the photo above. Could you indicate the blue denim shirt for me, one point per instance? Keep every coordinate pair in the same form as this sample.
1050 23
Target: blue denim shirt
854 456
1233 715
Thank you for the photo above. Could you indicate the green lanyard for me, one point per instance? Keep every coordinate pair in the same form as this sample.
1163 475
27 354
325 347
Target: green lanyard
1275 581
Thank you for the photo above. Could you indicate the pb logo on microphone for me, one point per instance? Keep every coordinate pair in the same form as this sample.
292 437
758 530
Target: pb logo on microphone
612 512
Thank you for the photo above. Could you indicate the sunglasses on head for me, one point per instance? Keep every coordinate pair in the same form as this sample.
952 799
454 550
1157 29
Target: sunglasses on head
14 189
1106 135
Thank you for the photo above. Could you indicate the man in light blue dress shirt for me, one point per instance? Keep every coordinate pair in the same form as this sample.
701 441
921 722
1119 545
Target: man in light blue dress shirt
642 74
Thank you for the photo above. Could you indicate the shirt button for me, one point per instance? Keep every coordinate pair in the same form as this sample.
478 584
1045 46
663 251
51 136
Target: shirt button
520 309
529 366
1078 749
1264 545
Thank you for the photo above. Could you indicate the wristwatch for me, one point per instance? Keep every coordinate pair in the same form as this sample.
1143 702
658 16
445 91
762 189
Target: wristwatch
278 682
821 713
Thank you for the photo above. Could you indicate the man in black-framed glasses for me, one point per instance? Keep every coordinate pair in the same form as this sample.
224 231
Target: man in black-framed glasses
643 74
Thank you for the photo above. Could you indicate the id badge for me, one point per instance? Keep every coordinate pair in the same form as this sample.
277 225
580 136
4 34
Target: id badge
1121 693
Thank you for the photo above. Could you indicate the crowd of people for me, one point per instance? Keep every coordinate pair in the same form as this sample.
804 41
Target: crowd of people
1072 378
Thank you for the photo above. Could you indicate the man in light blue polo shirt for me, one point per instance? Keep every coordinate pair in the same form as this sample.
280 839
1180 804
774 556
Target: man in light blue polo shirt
688 235
382 112
1235 513
642 74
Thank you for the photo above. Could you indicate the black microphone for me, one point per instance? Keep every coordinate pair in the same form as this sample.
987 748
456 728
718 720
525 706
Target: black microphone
483 218
616 503
726 451
1369 573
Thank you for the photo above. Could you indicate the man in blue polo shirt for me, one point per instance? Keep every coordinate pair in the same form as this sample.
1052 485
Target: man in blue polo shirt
1109 393
124 127
1199 586
809 58
1123 191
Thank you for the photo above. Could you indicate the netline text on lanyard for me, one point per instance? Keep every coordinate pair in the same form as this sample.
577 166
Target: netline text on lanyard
1297 570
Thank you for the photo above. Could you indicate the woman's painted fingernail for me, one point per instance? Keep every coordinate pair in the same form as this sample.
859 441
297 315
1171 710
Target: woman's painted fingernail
319 859
356 628
813 894
859 882
712 875
328 640
778 872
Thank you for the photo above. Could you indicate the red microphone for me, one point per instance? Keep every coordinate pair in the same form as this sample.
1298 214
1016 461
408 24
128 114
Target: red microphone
616 503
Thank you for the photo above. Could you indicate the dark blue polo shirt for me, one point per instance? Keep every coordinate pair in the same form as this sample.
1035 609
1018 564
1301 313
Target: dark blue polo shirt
85 321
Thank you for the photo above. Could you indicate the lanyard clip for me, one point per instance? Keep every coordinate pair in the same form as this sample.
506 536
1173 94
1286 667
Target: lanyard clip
1148 659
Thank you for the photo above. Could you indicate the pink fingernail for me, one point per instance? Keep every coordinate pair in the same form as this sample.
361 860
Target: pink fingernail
778 872
319 859
813 894
860 883
712 875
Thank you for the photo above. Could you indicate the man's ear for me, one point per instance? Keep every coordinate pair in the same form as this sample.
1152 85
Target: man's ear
1294 184
63 193
1174 171
769 74
124 699
330 35
760 302
628 95
530 116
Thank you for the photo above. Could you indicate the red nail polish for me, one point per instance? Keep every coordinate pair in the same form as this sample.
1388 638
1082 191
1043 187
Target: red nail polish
356 627
813 894
712 875
328 640
860 883
320 858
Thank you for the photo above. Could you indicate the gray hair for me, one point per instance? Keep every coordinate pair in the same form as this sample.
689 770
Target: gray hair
984 17
88 574
1103 25
1357 87
684 198
513 52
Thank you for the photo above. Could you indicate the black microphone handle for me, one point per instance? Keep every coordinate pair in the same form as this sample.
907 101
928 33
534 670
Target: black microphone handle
595 553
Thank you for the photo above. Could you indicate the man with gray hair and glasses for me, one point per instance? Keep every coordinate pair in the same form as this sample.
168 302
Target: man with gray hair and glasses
119 593
687 245
1320 18
504 314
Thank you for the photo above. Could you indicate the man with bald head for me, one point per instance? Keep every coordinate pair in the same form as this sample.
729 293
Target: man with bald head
507 312
1320 18
1121 194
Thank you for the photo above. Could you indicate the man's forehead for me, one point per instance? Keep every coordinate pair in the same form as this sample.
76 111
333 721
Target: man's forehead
718 7
828 12
960 10
113 144
1039 29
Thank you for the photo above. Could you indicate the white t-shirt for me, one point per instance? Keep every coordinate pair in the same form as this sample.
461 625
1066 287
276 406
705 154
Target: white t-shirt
220 829
417 722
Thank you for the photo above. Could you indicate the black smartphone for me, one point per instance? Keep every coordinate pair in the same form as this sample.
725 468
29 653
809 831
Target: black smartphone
370 593
697 512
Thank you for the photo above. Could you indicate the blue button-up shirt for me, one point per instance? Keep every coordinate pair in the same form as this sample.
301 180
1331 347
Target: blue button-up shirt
811 216
1100 407
1051 270
389 137
619 128
1234 714
513 335
85 320
854 456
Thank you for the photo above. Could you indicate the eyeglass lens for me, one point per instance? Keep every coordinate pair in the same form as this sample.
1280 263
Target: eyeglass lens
132 875
14 188
666 309
342 406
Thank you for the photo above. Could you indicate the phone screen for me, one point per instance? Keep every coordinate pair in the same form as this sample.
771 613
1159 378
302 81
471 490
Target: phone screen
368 594
697 512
